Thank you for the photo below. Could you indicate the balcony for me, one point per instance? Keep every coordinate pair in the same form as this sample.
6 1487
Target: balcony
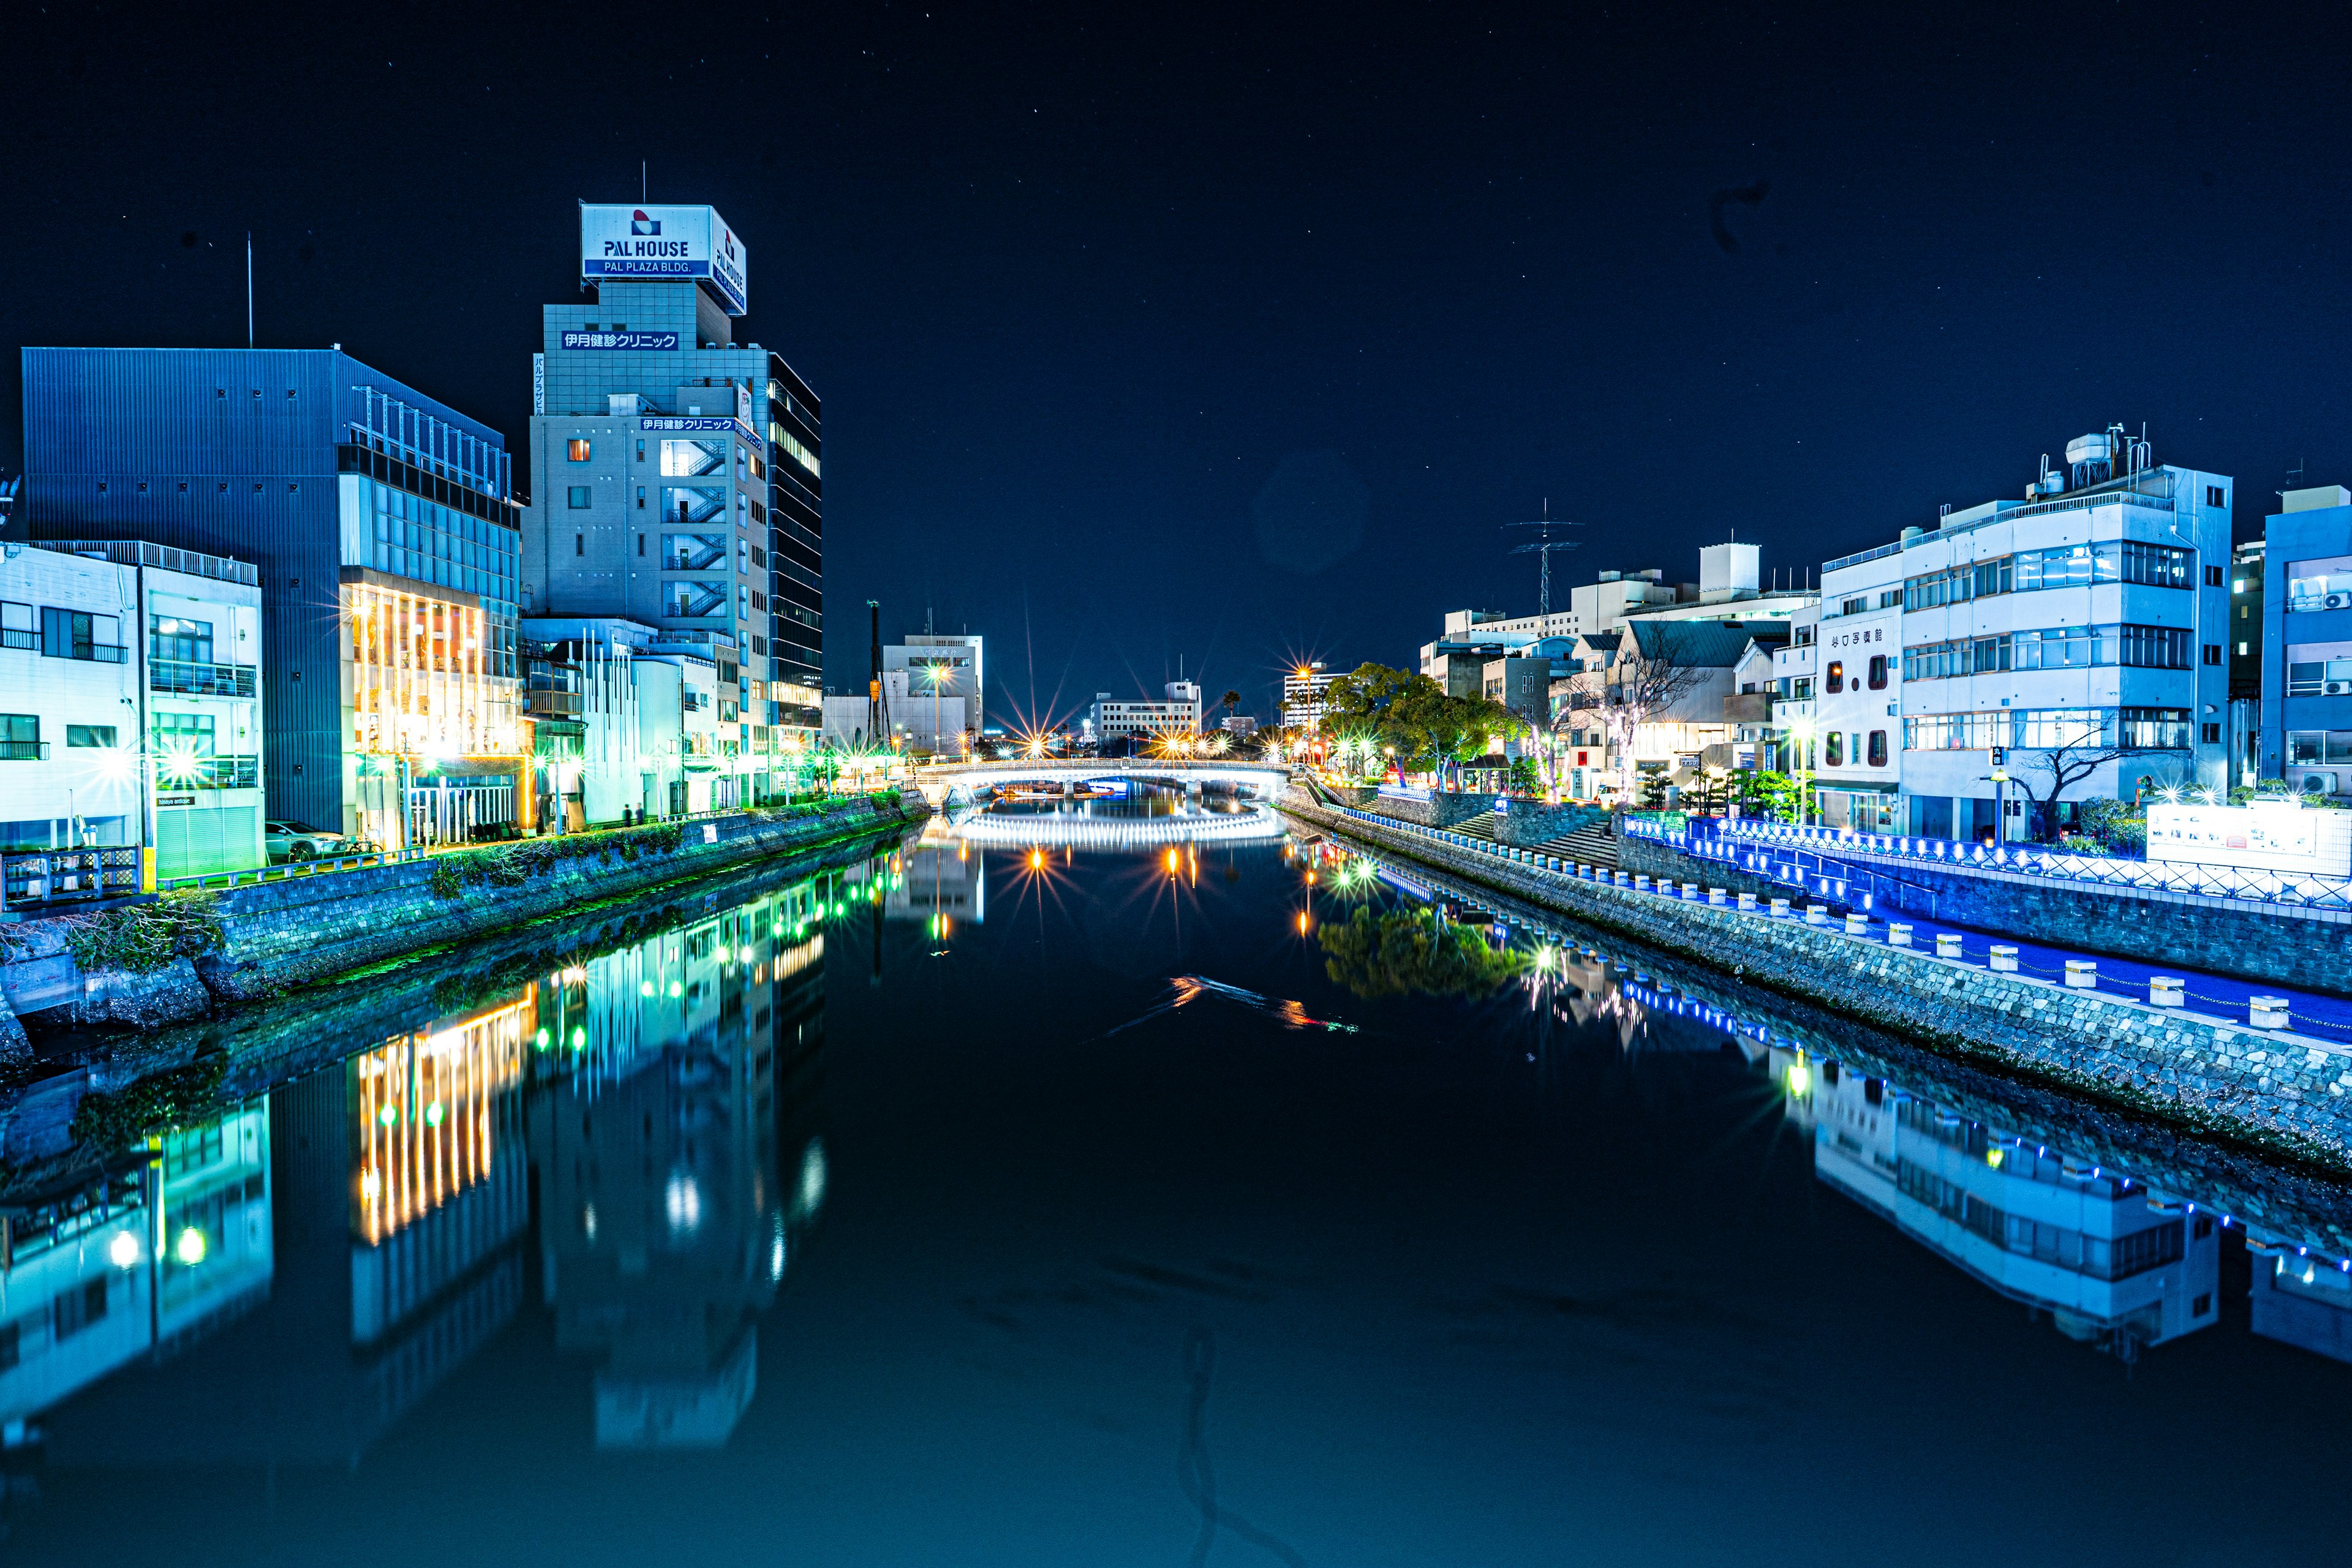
1747 708
540 702
24 751
190 677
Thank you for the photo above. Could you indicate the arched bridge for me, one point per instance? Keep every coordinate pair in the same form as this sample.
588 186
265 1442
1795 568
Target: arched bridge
954 783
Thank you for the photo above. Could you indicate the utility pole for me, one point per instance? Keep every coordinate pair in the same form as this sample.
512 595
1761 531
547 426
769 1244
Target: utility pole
1543 546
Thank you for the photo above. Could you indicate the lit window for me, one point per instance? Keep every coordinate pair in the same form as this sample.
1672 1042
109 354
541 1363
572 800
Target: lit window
576 450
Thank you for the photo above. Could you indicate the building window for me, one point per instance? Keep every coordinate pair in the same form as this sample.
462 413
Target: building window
177 637
2212 576
101 735
182 734
2212 652
576 497
1878 672
579 544
2213 496
1853 607
20 737
641 539
576 451
1879 748
1833 749
1834 678
67 634
2212 734
1890 598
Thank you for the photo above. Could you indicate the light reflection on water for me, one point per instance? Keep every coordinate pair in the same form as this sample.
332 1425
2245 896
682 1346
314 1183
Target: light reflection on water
617 1164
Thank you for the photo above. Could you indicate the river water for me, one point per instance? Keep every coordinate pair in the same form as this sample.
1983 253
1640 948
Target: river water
1099 1185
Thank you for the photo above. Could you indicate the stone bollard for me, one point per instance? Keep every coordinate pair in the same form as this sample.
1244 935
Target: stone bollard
1747 902
1947 944
1898 934
1717 896
2004 959
1817 914
2266 1012
1640 884
1779 909
1857 925
1690 889
2165 991
2082 974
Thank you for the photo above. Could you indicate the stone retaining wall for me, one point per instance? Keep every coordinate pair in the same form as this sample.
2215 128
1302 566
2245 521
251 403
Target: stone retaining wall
1529 822
2282 1091
308 929
1442 809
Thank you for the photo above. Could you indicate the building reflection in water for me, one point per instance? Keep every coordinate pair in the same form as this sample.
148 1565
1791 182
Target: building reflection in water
344 1245
2111 1263
137 1261
667 1216
942 882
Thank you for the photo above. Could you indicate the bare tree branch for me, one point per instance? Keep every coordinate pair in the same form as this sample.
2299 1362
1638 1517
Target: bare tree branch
1633 689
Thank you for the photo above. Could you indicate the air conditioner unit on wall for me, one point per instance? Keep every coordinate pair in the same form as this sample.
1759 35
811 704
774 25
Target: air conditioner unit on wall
2337 688
2316 784
2337 601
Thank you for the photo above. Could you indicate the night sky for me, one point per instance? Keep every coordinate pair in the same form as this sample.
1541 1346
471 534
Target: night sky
1234 335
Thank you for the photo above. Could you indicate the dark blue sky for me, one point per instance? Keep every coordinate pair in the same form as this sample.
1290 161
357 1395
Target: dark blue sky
1232 336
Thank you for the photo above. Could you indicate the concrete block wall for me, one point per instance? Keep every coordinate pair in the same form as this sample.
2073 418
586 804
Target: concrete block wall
2282 1091
1529 824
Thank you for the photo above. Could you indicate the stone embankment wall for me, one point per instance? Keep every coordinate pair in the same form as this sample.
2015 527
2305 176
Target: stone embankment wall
265 939
2282 1091
1529 822
2277 943
252 1051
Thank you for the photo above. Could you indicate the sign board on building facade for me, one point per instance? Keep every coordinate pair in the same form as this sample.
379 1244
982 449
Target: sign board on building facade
2270 835
658 242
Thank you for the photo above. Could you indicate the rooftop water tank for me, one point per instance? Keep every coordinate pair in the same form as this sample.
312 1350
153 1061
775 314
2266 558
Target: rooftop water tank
2094 448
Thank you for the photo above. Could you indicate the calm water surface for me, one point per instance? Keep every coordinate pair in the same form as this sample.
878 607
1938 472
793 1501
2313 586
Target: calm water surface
1037 1194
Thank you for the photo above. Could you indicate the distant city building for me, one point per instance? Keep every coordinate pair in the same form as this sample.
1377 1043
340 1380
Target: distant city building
951 662
1303 695
922 723
382 526
1239 724
676 482
133 671
1180 714
2246 631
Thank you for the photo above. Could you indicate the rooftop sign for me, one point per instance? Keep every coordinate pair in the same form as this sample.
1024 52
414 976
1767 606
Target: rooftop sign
665 242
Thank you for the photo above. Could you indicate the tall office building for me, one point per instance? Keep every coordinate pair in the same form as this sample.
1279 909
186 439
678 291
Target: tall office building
381 525
675 472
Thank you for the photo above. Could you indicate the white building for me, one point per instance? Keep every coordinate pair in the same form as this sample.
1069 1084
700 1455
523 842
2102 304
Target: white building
2083 627
920 723
1303 690
1180 714
950 664
132 677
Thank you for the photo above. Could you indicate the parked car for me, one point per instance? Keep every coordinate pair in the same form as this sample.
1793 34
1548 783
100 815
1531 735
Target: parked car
292 841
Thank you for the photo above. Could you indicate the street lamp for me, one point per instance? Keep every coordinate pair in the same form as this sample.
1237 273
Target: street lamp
1999 805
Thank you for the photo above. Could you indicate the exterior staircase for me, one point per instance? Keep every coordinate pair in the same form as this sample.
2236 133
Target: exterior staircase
1591 845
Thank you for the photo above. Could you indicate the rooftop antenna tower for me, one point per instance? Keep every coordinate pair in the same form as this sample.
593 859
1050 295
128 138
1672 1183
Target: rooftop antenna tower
248 287
1543 546
878 708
